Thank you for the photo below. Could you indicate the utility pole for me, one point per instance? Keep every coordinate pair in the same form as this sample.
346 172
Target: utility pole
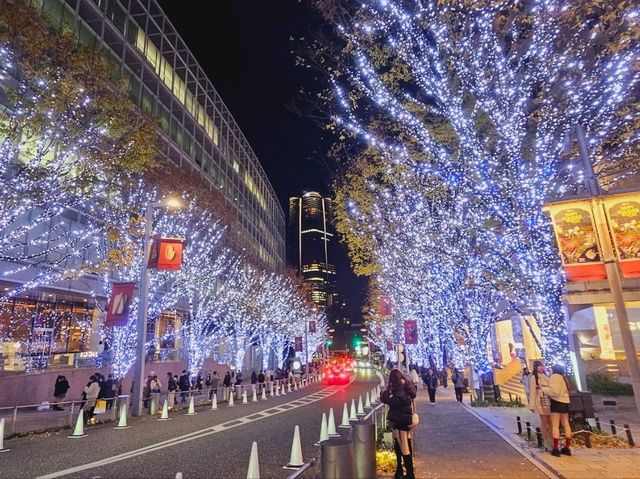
611 264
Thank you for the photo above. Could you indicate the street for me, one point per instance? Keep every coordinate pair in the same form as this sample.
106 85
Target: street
211 444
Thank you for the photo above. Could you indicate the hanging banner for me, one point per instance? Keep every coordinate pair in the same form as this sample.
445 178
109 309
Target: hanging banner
604 333
623 215
297 343
384 305
577 241
165 254
389 345
411 331
119 304
312 326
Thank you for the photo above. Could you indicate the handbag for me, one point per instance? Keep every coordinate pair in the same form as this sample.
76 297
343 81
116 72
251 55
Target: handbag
101 406
415 418
545 403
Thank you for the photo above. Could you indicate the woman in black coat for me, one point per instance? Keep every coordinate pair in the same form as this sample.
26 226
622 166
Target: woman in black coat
399 396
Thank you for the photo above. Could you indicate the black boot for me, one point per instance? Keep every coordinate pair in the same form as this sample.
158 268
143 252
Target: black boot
408 464
399 471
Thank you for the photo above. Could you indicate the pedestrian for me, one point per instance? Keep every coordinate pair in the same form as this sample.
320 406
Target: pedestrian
226 384
91 391
559 392
457 378
108 390
524 379
155 387
431 383
443 378
185 385
415 379
172 387
476 381
399 396
254 377
199 380
539 402
239 378
207 383
60 389
215 383
261 378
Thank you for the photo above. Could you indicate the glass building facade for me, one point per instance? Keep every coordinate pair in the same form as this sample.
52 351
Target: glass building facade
310 245
198 132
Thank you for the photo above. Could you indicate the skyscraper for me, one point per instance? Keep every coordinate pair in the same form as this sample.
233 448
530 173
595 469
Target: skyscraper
310 243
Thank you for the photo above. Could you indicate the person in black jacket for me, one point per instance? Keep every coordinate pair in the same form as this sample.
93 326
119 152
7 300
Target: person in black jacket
60 391
431 382
399 396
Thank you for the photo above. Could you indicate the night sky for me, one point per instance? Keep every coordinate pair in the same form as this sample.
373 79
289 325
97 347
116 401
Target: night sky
245 50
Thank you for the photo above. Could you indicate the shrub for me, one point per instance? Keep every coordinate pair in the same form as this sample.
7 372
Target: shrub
499 403
601 383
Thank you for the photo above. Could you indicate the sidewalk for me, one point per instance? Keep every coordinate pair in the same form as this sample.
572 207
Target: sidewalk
584 464
453 443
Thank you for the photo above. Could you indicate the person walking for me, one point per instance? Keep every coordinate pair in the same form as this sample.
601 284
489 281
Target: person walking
538 402
525 376
185 385
60 389
457 378
172 388
261 378
92 390
415 378
399 396
559 390
431 382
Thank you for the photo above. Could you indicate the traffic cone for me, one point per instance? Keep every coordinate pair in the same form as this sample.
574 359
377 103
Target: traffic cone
277 389
244 397
214 401
78 431
331 425
153 407
284 389
289 386
165 412
295 459
122 421
255 395
179 475
345 417
360 411
273 392
231 394
4 449
374 396
264 394
323 429
352 412
367 400
295 386
254 465
192 409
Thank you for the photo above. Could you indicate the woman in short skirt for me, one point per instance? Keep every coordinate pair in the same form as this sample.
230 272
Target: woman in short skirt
558 391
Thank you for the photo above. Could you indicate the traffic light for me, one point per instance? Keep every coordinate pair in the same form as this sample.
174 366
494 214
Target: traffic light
357 341
329 342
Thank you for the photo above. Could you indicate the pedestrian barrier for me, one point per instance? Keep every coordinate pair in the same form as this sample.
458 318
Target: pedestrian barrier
253 472
295 458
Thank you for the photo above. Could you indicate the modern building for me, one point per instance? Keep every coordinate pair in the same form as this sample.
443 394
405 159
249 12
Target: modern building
198 134
311 240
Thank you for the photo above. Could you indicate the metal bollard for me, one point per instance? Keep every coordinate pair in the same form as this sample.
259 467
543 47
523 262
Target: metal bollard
519 422
614 431
336 459
598 426
539 437
364 449
587 439
629 436
528 430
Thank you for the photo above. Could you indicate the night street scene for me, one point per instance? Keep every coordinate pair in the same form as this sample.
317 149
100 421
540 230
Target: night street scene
319 239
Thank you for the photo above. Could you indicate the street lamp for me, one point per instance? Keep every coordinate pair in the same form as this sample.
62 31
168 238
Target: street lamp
143 300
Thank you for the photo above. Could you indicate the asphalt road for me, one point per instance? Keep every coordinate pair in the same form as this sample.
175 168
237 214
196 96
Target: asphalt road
211 444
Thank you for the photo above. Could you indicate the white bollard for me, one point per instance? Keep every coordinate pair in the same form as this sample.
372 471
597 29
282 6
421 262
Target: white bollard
345 417
331 425
323 429
253 472
192 410
295 459
165 412
2 448
214 402
122 421
78 431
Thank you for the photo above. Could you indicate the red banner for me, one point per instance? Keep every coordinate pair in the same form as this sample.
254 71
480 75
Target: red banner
411 331
385 305
297 344
389 345
165 254
312 326
119 304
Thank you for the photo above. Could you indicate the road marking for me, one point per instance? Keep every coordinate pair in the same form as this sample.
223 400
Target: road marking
184 438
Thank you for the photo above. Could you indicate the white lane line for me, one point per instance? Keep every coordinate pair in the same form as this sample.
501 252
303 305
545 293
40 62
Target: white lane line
180 439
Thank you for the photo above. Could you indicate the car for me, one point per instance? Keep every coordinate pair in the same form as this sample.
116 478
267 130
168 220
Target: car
336 375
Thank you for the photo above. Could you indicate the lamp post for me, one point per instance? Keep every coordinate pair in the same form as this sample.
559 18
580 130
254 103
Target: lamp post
143 301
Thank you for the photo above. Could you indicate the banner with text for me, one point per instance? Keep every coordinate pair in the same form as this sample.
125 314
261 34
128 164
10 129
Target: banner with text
119 304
